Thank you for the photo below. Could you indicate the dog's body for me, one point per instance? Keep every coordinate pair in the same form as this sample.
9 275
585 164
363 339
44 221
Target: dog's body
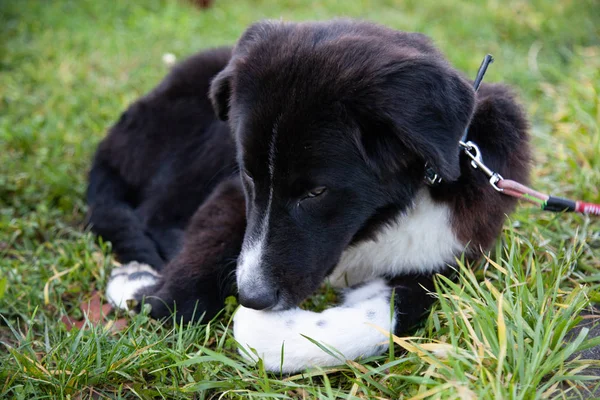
159 162
332 125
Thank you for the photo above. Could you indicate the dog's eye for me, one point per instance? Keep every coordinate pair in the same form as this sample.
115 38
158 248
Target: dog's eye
316 191
311 194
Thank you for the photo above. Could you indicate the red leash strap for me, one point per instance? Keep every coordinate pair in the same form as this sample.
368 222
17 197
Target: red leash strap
587 208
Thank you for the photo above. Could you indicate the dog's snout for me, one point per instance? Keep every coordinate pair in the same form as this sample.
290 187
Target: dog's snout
259 298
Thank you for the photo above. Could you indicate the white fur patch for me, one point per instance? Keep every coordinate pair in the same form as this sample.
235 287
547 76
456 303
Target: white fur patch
420 240
347 328
248 272
250 258
249 276
125 281
371 290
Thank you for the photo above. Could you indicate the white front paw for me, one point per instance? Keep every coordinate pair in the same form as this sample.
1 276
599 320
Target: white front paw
365 292
274 336
127 280
280 338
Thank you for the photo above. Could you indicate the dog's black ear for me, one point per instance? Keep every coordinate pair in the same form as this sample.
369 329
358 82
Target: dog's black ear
421 105
220 93
221 86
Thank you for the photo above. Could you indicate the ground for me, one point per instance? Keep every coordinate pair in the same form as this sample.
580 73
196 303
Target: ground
67 69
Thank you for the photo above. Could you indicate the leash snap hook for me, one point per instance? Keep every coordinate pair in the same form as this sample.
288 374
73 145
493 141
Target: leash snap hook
473 152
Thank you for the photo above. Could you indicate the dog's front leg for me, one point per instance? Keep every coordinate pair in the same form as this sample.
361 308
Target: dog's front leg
197 280
280 338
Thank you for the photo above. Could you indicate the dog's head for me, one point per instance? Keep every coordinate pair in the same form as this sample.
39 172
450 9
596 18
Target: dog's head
334 123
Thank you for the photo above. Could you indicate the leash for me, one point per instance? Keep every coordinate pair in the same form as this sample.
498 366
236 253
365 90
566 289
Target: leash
507 186
520 191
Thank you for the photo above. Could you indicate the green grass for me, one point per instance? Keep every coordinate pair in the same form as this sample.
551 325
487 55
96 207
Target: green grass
68 68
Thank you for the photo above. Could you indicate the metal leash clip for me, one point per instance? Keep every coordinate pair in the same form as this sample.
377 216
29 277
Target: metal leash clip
473 152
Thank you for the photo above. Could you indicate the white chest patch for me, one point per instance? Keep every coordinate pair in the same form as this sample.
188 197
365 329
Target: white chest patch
420 240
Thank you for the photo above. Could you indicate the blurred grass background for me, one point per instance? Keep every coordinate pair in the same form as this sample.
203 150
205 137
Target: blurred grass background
67 70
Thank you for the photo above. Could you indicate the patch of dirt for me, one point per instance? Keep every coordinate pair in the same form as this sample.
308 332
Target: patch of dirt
97 313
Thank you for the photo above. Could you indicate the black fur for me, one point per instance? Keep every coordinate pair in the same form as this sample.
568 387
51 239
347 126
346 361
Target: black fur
201 276
159 162
350 106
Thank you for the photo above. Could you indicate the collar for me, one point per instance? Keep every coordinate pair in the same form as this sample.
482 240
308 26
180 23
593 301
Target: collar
431 177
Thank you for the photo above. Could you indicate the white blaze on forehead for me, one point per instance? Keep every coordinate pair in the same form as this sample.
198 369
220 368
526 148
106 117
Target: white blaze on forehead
272 153
249 273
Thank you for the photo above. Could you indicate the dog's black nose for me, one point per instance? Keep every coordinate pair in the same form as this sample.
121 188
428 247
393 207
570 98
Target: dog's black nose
259 299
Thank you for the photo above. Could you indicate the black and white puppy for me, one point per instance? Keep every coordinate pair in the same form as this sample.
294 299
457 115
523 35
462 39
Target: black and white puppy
332 125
